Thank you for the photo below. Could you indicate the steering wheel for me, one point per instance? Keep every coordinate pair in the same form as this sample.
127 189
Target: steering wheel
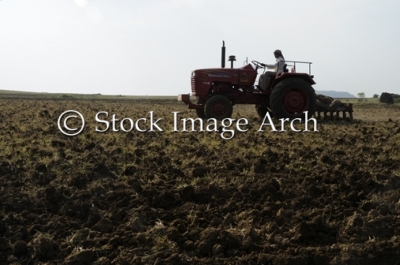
258 64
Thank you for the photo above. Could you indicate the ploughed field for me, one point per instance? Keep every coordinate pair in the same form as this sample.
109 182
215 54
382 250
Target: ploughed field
327 197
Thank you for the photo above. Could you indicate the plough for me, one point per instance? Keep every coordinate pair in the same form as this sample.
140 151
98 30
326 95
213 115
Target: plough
328 105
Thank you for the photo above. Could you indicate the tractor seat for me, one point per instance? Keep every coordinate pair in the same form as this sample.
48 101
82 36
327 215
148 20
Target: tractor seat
285 70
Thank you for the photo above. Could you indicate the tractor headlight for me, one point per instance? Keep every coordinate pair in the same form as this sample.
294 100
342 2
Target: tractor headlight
193 74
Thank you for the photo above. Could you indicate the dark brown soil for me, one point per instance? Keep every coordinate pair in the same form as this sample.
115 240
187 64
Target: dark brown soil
327 197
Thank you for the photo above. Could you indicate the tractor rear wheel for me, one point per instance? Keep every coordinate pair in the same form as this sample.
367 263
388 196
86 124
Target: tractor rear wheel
218 107
291 97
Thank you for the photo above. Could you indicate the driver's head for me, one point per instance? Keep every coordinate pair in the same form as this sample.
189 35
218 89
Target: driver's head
278 53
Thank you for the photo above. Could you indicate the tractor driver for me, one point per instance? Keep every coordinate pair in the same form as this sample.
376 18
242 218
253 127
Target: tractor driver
265 78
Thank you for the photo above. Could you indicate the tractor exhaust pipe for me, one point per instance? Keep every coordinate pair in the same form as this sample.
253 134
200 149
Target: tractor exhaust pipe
223 55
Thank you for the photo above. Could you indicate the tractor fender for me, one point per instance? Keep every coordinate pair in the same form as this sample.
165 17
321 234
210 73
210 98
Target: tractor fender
285 76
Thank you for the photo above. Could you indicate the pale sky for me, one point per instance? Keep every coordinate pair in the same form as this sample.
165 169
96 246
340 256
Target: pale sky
150 47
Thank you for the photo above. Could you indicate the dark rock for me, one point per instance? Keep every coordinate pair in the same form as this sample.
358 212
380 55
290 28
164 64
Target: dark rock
43 247
217 249
4 243
136 225
204 247
187 193
172 233
82 257
20 248
104 226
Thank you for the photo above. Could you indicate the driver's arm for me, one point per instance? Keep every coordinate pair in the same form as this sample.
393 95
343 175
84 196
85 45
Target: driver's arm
272 66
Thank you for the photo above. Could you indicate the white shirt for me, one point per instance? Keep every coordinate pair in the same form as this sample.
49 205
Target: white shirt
278 66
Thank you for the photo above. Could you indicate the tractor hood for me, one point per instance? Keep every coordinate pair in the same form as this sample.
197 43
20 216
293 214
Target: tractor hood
220 72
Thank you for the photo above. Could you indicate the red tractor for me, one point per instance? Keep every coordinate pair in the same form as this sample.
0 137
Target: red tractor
216 90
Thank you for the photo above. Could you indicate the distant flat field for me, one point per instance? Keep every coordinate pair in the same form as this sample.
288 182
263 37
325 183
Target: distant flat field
44 95
20 94
380 111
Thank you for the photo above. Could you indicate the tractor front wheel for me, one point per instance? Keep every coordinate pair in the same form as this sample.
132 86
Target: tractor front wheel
200 112
218 107
291 97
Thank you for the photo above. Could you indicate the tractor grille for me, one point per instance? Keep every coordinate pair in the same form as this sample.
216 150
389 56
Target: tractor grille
194 81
